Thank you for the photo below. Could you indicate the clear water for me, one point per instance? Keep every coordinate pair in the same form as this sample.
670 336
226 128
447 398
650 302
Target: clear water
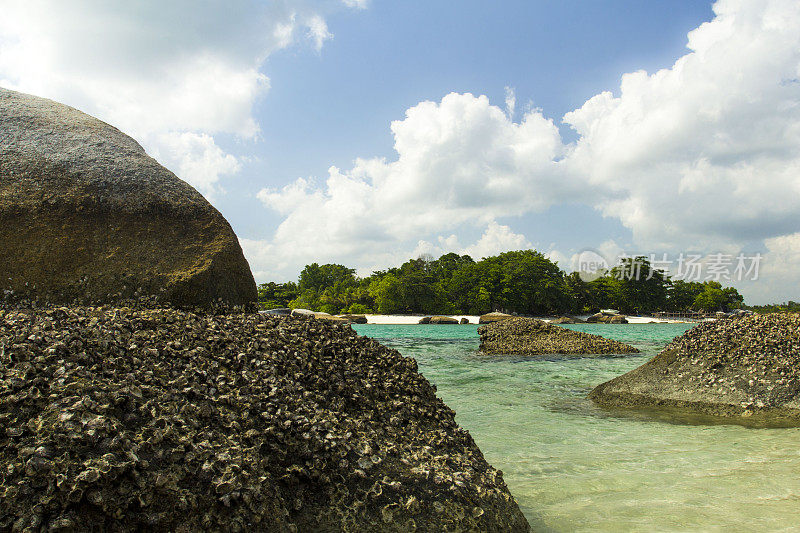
574 467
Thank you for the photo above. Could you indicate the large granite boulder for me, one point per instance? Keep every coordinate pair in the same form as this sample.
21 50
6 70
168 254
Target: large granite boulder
494 316
86 215
746 369
118 419
529 336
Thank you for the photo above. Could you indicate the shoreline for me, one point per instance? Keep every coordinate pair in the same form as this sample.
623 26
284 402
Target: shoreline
405 320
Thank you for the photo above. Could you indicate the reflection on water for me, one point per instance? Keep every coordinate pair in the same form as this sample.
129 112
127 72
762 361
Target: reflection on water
575 467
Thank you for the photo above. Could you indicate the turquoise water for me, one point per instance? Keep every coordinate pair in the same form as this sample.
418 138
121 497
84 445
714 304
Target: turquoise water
574 467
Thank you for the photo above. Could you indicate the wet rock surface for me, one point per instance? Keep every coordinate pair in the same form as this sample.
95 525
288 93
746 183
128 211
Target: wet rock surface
130 419
743 369
530 336
87 216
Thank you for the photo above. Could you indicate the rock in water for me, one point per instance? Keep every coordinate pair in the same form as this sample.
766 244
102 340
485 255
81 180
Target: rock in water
567 320
494 316
529 336
86 215
439 319
118 419
355 319
607 318
746 369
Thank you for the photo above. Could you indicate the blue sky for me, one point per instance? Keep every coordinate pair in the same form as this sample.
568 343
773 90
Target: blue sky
367 132
330 106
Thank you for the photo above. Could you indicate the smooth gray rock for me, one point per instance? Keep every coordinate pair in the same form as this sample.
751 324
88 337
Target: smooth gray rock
86 215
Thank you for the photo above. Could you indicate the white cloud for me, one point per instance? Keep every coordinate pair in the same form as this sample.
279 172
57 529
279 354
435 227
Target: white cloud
459 161
318 31
164 73
702 156
358 4
495 240
511 102
195 155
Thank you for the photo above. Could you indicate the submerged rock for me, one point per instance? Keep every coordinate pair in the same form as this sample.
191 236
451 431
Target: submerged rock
125 419
494 316
87 216
529 336
745 369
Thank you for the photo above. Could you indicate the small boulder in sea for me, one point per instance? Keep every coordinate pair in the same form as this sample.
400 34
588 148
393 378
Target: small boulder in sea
87 216
355 319
126 419
424 320
607 318
494 316
438 319
529 336
744 369
567 320
464 320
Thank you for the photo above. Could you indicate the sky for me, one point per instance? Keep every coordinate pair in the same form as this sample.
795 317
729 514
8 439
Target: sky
368 132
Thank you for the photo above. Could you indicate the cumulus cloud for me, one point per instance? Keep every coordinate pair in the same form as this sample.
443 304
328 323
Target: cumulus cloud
460 161
701 156
495 240
170 74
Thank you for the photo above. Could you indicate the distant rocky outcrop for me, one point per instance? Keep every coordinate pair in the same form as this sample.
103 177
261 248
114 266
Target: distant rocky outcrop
438 319
424 320
464 320
494 316
746 369
567 320
87 216
299 312
529 336
355 319
605 317
119 419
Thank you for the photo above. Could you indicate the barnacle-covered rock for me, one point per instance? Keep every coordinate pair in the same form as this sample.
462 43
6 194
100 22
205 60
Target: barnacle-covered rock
130 419
529 336
743 369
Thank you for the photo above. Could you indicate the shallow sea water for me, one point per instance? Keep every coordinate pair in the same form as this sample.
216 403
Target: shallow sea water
574 467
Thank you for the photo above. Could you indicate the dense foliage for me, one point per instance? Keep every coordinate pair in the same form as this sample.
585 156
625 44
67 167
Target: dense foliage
524 282
785 307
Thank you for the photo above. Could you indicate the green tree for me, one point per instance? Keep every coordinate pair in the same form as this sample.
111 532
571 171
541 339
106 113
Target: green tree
682 294
272 295
638 287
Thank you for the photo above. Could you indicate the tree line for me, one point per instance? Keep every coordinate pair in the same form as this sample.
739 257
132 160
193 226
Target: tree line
524 282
